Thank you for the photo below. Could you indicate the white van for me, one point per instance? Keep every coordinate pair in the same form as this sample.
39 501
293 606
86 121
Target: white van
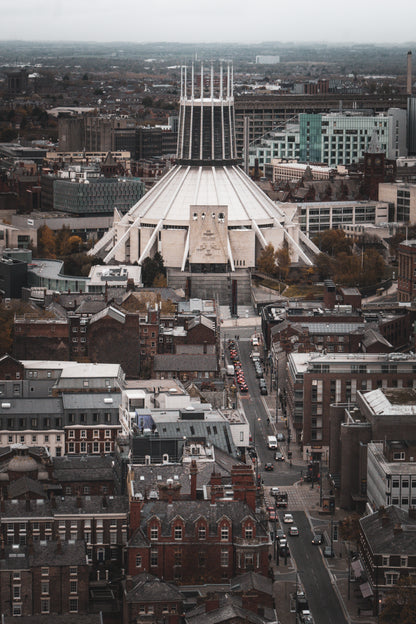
272 442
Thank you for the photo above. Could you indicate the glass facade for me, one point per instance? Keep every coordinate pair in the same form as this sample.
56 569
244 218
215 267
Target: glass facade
97 196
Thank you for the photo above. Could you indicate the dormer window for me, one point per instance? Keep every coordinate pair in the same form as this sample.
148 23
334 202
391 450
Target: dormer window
202 532
178 532
224 533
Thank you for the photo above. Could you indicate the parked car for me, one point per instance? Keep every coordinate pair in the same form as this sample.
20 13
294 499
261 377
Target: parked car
288 518
272 515
263 390
269 466
328 551
280 534
279 456
280 437
293 530
274 491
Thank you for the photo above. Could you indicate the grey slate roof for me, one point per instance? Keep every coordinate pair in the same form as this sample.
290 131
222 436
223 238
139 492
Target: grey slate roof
91 400
191 510
185 362
45 554
91 505
85 468
23 485
252 580
52 618
226 613
36 406
149 588
200 429
384 539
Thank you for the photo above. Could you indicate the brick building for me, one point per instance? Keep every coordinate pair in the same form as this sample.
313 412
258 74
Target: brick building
149 599
42 578
406 274
387 550
315 381
41 338
194 541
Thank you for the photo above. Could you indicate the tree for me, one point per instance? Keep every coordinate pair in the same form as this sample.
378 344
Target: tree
73 244
149 271
399 606
282 257
46 247
333 242
324 265
158 258
266 261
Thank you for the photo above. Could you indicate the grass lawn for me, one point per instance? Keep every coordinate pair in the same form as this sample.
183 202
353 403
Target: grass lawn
304 291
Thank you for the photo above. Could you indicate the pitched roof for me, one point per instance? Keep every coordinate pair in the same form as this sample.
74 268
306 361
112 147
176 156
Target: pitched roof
150 588
25 485
390 531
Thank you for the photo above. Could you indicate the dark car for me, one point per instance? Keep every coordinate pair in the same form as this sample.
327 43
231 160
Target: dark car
317 539
269 466
279 456
263 390
284 551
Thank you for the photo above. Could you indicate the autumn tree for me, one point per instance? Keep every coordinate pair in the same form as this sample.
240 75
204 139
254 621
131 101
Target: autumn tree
399 606
46 247
333 242
266 261
282 257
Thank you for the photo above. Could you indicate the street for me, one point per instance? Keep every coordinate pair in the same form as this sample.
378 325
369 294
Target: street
306 566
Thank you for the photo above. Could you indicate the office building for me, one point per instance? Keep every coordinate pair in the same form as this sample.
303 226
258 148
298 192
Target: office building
334 138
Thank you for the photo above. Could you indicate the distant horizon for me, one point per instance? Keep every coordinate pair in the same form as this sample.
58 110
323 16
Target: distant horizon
219 21
304 42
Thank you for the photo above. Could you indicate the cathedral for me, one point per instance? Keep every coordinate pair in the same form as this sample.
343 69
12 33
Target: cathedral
206 217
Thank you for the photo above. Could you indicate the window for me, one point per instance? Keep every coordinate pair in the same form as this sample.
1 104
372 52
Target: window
95 447
83 433
16 592
153 557
138 561
71 433
391 578
45 587
108 433
44 571
73 571
249 532
71 447
403 562
177 557
44 605
73 605
17 610
154 533
224 533
224 558
73 587
100 535
202 532
385 560
202 559
178 533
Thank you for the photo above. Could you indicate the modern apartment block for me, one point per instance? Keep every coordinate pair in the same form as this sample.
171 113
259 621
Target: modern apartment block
267 113
334 138
315 381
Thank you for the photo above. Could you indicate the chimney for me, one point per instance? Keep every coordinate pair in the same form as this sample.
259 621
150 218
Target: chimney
212 602
135 514
409 73
397 528
27 503
194 472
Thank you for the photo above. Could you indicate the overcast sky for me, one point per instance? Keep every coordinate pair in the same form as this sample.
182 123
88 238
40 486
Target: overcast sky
245 21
